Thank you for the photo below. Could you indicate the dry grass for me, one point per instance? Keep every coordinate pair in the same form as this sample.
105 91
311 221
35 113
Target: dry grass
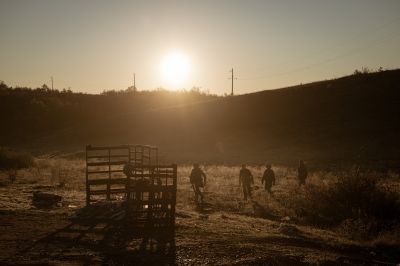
316 204
358 204
228 230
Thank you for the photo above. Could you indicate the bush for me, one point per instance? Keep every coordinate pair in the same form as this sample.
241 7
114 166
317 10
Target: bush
355 201
12 160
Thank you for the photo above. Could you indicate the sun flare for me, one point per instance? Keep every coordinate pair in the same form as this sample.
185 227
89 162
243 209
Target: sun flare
175 69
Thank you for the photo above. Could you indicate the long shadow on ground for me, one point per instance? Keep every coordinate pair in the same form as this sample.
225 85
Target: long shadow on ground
100 241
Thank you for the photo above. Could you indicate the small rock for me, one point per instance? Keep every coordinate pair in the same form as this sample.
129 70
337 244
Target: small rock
45 200
289 230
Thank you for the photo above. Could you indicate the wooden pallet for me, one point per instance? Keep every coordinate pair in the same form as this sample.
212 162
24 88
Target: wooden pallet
149 193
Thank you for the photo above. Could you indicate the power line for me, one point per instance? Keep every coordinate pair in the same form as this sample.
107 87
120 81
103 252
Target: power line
376 29
323 62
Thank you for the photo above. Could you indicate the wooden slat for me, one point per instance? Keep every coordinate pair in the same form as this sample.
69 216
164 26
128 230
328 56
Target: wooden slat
153 189
99 148
150 189
107 181
105 163
106 156
106 171
145 175
138 176
104 191
163 168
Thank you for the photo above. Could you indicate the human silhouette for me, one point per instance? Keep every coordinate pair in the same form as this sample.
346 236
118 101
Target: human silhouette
246 180
134 183
128 169
268 178
198 180
302 173
129 173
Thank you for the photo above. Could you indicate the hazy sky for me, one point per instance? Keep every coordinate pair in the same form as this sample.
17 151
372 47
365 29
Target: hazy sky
95 45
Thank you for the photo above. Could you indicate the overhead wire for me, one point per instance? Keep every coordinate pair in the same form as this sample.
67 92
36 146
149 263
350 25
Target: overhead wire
328 60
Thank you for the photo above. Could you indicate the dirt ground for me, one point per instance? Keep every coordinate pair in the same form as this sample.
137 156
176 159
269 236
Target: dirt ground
227 231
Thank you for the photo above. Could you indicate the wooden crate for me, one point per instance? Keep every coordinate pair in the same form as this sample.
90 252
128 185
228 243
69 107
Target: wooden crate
149 193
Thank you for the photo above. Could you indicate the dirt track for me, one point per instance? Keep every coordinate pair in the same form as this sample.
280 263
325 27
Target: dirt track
30 236
227 231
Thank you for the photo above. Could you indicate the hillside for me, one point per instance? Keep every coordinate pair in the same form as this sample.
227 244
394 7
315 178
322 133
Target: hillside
352 119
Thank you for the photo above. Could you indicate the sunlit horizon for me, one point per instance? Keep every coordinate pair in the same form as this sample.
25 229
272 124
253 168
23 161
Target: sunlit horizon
98 45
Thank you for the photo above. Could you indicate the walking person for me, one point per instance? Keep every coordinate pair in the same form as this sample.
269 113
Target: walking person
246 180
198 180
134 185
268 179
302 173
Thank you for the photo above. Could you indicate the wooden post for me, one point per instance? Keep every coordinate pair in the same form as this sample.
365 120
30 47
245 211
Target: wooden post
87 179
109 175
128 181
175 182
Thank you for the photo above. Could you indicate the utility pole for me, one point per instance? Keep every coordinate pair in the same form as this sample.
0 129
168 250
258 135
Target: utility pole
134 82
52 83
232 78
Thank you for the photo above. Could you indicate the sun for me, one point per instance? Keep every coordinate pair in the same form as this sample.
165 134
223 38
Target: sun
175 69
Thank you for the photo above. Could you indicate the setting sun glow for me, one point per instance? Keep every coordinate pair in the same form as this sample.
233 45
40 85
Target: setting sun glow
175 70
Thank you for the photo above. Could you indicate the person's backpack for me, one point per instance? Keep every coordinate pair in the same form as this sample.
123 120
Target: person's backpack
195 177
